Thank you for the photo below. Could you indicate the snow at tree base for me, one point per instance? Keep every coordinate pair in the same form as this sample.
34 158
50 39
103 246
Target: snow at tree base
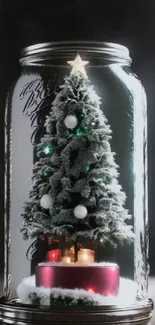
75 187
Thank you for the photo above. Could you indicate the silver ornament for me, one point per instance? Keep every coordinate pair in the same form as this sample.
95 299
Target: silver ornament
71 121
80 211
46 201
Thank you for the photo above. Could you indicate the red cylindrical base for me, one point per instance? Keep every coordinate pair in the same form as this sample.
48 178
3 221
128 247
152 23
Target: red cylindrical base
99 279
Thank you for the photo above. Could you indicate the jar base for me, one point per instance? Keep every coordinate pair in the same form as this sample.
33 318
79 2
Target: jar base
13 312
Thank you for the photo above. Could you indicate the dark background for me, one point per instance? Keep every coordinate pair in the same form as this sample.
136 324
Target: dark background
131 23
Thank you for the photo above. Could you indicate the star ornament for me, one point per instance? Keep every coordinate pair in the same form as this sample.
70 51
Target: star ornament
78 66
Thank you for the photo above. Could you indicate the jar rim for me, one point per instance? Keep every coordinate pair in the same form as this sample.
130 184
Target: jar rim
41 52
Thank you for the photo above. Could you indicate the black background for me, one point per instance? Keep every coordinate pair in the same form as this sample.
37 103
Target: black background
131 23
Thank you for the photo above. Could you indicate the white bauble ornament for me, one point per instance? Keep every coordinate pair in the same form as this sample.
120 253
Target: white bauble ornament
70 121
46 201
80 211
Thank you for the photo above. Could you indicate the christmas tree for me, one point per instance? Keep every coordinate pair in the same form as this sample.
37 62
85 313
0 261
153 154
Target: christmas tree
75 189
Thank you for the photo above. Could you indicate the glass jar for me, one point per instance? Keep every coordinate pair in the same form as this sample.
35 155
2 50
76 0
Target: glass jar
44 67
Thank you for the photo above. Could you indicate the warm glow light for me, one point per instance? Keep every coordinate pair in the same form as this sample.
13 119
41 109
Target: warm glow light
113 268
68 255
90 289
54 255
66 259
86 256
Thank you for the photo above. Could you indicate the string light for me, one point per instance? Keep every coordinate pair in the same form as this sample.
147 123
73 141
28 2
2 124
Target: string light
48 149
45 173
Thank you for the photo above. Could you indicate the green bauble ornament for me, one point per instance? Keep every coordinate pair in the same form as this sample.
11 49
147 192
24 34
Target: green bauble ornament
84 128
78 131
81 130
45 173
83 116
89 168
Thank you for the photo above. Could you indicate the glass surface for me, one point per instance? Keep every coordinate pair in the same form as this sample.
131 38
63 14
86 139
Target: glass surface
124 105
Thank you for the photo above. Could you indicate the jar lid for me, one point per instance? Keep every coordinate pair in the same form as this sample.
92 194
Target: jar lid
41 54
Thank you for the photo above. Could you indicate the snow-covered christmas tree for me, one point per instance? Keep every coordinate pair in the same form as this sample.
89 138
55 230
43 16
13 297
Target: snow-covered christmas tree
75 186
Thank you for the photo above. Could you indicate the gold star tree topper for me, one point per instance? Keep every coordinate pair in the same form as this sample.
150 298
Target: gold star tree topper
78 66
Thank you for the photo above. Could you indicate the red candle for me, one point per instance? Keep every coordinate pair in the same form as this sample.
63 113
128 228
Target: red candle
103 279
54 255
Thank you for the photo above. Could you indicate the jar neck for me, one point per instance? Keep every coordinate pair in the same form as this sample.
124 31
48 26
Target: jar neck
98 53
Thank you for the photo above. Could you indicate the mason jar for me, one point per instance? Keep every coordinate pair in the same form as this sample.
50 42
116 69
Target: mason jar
123 103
